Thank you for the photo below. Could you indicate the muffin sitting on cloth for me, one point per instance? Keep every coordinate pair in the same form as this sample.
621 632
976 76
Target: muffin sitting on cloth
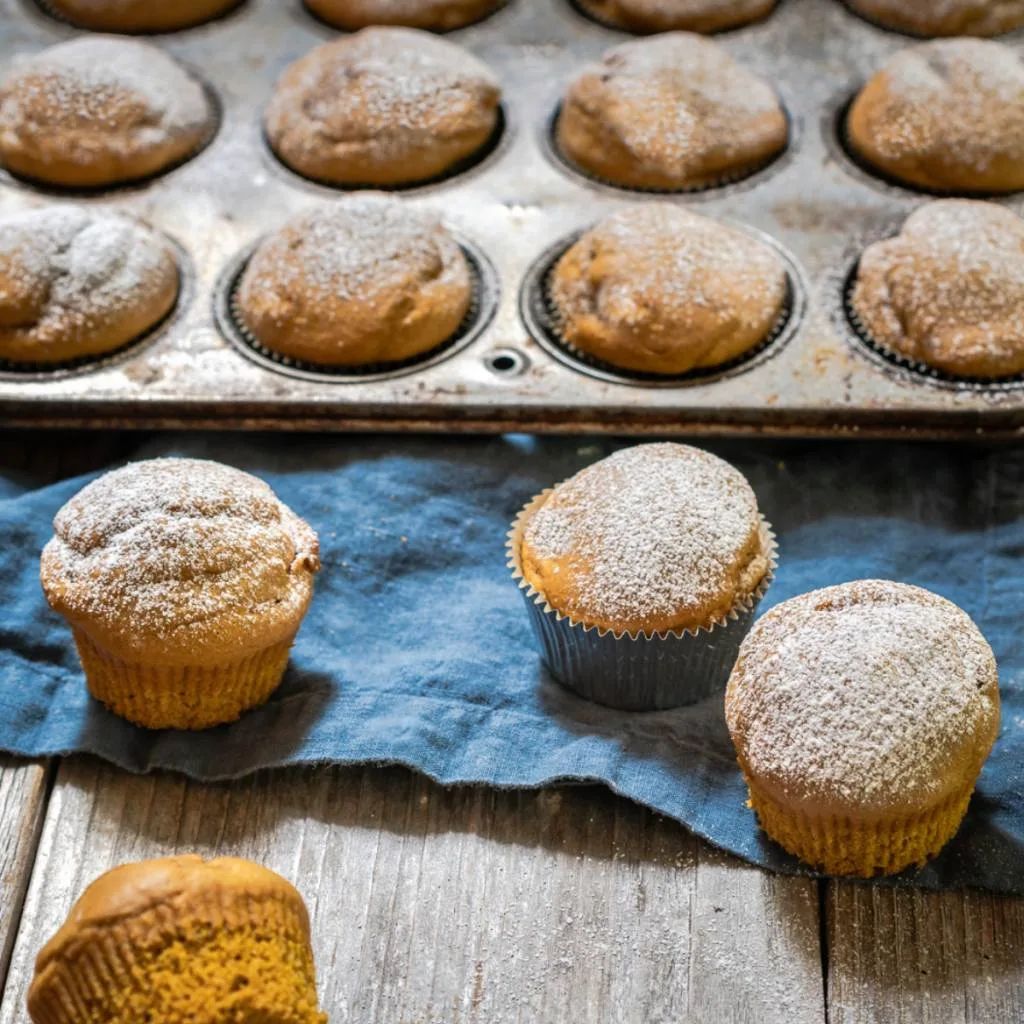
184 582
140 15
948 18
862 715
671 113
180 941
78 282
660 290
642 573
99 110
666 15
430 15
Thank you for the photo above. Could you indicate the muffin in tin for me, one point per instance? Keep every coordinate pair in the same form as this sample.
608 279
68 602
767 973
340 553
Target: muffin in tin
429 15
946 116
672 113
862 715
949 18
644 16
641 574
659 290
139 15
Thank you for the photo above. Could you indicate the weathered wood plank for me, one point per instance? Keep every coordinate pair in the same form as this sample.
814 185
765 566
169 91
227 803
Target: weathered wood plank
912 957
462 905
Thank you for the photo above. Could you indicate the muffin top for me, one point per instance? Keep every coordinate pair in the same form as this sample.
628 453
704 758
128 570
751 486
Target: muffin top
180 560
658 289
653 538
945 115
383 106
666 15
77 281
674 111
430 15
944 17
869 698
948 291
366 280
139 15
98 109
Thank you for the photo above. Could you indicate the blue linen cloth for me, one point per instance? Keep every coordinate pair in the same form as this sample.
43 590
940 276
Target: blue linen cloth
417 648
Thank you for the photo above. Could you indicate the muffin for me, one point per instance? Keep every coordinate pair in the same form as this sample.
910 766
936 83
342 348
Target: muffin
668 15
642 573
429 15
184 582
363 282
946 116
861 716
672 113
78 282
139 15
660 290
180 941
947 292
386 106
949 18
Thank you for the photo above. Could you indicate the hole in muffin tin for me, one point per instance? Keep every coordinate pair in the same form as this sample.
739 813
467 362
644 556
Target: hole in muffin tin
540 319
835 129
482 308
91 191
909 369
474 162
26 372
52 13
335 29
740 179
507 362
595 19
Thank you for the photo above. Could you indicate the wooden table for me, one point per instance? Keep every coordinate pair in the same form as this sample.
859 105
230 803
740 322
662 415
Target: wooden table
564 906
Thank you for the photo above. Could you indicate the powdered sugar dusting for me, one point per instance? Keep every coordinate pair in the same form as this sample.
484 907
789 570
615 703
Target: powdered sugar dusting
870 695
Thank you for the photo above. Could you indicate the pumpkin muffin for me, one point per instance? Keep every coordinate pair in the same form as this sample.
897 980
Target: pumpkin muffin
386 106
429 15
674 112
99 110
949 18
947 116
180 941
365 281
948 291
184 582
78 282
660 290
643 16
861 716
642 573
139 15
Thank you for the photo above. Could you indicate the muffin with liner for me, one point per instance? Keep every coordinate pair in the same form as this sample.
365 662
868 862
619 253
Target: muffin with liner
644 16
642 574
660 290
949 18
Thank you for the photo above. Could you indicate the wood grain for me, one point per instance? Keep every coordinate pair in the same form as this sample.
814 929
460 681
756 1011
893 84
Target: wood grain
459 905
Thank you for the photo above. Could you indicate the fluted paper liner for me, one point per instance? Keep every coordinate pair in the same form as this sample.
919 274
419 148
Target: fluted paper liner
636 671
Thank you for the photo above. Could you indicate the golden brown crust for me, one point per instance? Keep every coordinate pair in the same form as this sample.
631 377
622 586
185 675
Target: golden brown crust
386 106
674 15
140 15
672 112
99 110
658 289
946 115
78 282
949 18
366 280
948 291
428 15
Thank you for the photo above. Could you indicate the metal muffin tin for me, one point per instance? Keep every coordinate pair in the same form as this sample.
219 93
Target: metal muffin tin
514 209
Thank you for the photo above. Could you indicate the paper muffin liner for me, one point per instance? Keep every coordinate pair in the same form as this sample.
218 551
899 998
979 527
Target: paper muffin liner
839 845
158 696
724 180
931 374
553 325
635 671
234 321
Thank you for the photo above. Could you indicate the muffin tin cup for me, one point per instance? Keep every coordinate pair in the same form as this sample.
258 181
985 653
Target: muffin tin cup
635 671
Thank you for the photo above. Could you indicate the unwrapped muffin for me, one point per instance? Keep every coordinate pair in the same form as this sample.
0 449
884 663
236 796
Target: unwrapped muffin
948 18
99 110
140 15
180 941
430 15
657 289
184 582
667 15
672 112
947 292
862 715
